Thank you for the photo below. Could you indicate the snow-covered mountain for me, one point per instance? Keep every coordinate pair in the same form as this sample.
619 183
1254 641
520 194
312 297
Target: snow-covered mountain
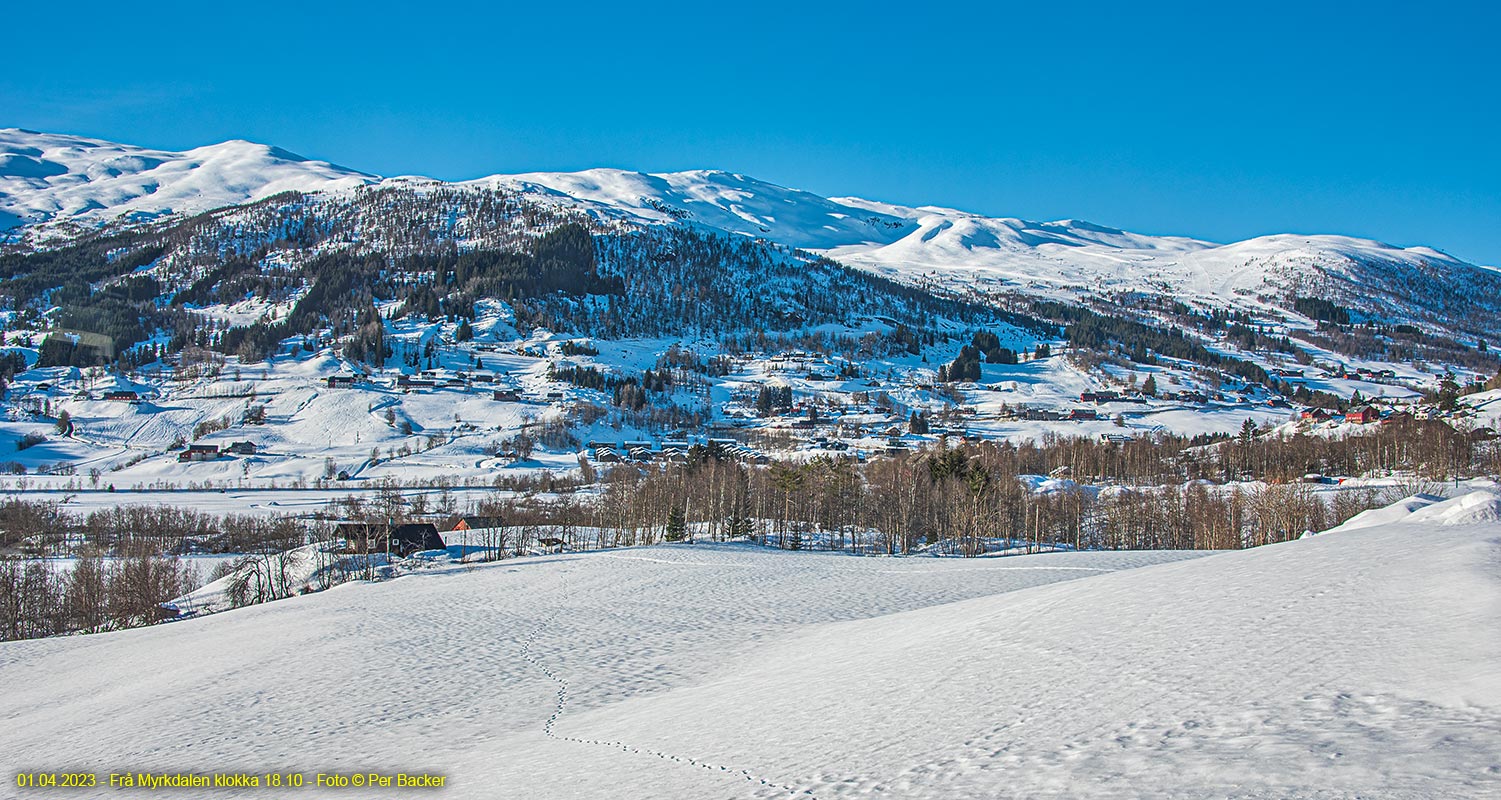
954 249
52 178
47 177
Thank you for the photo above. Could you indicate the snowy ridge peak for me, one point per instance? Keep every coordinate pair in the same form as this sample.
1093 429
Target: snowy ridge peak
934 245
740 204
713 198
47 177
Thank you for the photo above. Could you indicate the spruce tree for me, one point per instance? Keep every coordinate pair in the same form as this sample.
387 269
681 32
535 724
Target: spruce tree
677 524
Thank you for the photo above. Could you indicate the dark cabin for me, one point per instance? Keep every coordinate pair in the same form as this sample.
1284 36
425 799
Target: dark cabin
401 540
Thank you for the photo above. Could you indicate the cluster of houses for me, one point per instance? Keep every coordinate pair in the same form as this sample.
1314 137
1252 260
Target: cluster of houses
1367 374
113 395
671 451
1360 373
800 361
431 379
1052 414
1369 414
1099 397
1359 415
1107 396
212 452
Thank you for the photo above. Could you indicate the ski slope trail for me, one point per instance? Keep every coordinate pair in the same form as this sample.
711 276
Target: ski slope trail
1358 663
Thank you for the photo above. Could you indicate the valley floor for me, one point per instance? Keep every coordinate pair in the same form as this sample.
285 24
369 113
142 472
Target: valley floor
1361 663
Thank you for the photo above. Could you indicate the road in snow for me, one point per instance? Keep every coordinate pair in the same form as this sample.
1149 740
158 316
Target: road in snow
1356 663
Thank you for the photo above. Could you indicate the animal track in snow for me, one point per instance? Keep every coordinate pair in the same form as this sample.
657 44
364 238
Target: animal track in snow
561 701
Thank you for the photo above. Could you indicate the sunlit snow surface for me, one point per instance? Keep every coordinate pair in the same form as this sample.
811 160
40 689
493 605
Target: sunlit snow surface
47 176
1360 663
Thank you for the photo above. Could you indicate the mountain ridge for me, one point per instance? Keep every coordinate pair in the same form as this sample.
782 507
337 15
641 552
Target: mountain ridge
14 155
56 186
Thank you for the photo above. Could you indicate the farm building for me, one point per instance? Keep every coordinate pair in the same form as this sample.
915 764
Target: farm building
199 452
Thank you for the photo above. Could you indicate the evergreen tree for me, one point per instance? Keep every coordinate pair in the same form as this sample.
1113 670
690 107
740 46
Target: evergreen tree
1448 392
677 524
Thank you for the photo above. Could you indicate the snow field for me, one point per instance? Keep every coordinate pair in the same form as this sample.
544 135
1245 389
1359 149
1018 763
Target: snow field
1357 663
348 677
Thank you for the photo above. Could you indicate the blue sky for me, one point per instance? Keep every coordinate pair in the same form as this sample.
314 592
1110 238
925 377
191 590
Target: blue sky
1373 119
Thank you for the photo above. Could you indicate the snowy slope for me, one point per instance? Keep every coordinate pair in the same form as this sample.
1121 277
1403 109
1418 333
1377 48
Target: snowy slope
1357 663
54 177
